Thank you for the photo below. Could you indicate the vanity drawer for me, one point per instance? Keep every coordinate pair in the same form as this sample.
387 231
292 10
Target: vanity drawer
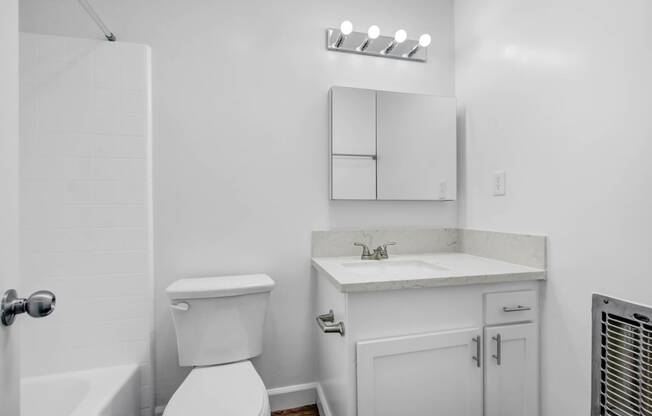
507 307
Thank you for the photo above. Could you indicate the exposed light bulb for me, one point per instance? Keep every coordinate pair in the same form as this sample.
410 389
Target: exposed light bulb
400 36
373 32
346 27
424 40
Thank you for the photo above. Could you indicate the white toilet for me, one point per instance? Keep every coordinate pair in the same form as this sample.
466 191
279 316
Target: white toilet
219 325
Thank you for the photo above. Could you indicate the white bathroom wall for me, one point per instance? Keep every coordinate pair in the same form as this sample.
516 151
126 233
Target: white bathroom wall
9 273
240 98
85 230
558 94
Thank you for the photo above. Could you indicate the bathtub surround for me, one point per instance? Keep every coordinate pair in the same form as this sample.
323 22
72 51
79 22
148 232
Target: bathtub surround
85 215
9 269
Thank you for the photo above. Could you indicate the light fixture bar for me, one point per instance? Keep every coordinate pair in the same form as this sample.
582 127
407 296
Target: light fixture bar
371 43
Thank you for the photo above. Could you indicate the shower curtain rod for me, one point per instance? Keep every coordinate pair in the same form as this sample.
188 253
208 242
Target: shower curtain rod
98 20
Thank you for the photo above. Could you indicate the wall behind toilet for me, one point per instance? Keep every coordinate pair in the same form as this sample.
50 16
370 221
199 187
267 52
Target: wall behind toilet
240 140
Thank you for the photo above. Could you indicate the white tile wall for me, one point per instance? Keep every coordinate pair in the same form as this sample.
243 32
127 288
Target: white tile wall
85 231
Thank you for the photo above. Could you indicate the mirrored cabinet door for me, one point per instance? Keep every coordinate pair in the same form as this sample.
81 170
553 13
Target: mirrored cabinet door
353 143
353 178
417 149
353 121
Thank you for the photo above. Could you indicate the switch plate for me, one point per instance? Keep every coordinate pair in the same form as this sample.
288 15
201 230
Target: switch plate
499 186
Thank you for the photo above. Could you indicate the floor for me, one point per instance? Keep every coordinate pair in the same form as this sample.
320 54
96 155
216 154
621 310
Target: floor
301 411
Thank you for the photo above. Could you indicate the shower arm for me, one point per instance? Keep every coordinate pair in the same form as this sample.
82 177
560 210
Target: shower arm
98 20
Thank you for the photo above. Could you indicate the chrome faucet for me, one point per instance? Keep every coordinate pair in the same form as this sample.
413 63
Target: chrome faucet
380 253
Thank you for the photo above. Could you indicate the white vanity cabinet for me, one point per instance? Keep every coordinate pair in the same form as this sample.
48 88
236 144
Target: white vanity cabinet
419 374
430 351
511 370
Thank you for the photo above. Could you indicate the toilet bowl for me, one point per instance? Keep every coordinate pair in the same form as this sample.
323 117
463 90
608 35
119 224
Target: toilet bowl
219 326
230 389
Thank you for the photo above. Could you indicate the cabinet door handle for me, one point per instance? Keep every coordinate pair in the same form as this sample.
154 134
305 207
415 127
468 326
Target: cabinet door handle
518 308
478 351
499 347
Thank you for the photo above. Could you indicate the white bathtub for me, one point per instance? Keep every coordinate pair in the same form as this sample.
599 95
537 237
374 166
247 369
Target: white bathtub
110 391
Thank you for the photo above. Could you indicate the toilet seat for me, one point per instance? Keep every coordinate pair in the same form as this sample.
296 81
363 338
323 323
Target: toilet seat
221 390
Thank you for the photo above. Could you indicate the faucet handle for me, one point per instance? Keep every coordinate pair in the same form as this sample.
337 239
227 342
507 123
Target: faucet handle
382 250
366 253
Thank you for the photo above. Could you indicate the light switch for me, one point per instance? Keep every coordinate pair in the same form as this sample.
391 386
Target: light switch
499 183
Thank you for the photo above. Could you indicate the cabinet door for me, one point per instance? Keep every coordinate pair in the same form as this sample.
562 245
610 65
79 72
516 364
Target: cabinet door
417 375
353 143
511 370
353 121
417 147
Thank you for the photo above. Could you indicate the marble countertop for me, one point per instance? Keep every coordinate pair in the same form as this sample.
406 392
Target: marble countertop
440 269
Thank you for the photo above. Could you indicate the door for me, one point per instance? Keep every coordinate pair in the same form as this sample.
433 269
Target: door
9 377
511 370
417 375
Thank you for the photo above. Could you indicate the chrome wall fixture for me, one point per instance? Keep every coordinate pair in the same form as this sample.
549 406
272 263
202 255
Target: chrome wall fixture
110 36
371 43
328 325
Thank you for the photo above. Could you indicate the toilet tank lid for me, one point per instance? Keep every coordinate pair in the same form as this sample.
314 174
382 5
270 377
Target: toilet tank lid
219 287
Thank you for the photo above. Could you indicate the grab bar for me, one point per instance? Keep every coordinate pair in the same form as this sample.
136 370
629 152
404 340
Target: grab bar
327 325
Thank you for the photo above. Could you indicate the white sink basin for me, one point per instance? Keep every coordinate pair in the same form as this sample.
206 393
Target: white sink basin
411 269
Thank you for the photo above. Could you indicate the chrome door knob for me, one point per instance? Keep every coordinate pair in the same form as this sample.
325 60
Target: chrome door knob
38 305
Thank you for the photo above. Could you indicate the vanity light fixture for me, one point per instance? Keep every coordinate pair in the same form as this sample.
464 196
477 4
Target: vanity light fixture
345 30
373 43
399 37
424 42
372 33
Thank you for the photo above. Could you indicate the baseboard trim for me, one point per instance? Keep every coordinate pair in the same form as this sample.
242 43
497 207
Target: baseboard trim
290 397
322 404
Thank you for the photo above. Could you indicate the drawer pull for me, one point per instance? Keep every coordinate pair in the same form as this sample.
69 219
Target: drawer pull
518 308
327 325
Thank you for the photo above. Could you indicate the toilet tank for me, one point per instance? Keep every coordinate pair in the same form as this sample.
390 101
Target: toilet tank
219 319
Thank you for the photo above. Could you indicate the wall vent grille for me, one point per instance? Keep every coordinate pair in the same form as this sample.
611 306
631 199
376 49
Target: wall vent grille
622 358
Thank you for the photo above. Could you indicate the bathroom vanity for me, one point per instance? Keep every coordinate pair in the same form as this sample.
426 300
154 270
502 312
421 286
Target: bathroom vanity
443 333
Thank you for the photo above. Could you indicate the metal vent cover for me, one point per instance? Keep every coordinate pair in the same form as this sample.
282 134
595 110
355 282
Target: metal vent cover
622 358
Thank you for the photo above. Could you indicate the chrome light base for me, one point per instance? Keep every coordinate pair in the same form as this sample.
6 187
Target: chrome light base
353 43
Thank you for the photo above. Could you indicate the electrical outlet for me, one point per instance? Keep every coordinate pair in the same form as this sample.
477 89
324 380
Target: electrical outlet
443 190
499 185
